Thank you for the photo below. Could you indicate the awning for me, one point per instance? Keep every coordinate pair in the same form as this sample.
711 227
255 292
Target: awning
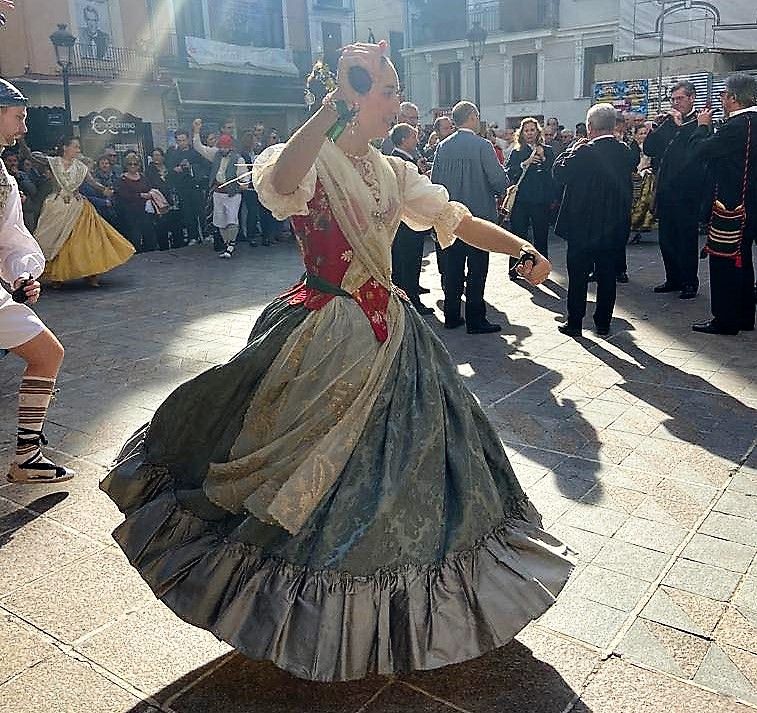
236 90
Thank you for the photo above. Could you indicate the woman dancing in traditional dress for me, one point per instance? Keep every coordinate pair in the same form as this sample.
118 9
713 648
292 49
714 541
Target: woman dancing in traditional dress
334 499
75 239
642 213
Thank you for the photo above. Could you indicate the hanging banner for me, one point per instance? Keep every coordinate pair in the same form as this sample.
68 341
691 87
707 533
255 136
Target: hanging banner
209 53
630 95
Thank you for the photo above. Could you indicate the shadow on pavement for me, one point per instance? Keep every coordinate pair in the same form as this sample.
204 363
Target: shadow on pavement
698 412
508 679
550 295
22 516
521 397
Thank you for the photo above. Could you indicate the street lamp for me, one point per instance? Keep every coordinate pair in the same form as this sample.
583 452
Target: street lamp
476 40
661 56
63 42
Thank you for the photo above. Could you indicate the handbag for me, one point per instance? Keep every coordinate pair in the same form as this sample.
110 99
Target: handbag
727 225
157 204
508 203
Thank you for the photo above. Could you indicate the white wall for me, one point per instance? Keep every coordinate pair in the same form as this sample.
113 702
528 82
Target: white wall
580 13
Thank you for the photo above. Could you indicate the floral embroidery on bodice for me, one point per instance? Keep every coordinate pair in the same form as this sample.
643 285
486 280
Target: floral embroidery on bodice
327 255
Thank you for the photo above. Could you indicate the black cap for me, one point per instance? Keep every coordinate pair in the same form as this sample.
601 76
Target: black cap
10 95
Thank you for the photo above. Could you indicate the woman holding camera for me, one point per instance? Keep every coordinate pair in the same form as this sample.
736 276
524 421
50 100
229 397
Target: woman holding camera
530 166
289 501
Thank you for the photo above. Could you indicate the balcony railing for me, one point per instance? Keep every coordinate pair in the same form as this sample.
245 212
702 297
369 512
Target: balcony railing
107 62
438 21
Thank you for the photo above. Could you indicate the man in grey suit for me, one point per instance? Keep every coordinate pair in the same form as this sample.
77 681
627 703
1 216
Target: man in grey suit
466 165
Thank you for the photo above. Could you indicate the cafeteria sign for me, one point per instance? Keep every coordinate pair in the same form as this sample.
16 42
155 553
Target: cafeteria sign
631 95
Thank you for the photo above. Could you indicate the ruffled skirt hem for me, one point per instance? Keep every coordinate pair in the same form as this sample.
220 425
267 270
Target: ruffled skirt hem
330 625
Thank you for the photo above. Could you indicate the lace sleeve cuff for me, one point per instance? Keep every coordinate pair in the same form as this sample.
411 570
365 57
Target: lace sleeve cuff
447 221
282 206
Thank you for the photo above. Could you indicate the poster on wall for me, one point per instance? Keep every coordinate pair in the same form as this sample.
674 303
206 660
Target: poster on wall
95 29
630 95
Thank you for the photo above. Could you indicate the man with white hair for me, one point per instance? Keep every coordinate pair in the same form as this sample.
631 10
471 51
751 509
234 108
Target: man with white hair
408 115
594 216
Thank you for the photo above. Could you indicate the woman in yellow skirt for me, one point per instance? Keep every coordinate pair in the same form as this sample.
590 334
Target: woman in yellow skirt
75 240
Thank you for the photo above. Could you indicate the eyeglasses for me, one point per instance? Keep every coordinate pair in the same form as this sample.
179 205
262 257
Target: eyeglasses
132 163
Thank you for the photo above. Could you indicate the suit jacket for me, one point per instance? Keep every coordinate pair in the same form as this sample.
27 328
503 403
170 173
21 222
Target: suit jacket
679 174
596 205
466 165
725 152
538 185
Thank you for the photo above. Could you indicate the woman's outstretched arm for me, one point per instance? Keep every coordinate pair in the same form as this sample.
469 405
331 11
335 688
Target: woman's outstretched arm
490 237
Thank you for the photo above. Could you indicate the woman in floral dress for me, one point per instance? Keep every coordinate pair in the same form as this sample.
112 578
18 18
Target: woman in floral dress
334 499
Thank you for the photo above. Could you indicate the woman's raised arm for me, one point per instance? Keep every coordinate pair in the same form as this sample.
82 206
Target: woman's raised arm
301 150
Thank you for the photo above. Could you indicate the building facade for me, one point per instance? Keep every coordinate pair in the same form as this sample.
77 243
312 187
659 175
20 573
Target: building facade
152 65
113 79
376 21
331 26
540 57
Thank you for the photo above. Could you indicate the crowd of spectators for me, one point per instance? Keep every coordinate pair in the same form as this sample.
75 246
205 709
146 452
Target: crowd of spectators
164 203
667 192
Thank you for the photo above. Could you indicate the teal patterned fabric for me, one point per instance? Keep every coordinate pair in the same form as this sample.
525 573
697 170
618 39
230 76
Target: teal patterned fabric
424 552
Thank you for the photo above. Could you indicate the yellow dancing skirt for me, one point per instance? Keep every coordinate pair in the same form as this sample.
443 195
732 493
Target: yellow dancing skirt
94 247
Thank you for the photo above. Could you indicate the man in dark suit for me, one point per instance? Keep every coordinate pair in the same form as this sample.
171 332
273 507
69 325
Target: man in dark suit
594 216
407 248
679 181
731 154
466 165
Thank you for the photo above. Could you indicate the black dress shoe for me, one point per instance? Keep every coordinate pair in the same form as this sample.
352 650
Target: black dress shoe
454 323
423 291
622 277
602 331
569 330
666 287
688 293
420 308
484 328
713 327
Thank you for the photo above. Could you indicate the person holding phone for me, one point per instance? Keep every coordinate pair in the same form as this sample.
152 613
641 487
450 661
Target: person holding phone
22 332
334 492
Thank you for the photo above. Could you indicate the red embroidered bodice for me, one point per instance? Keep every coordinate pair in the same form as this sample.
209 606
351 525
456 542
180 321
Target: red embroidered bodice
327 254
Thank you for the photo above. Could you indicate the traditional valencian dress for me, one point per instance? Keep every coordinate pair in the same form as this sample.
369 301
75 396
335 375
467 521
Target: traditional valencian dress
76 240
642 213
334 499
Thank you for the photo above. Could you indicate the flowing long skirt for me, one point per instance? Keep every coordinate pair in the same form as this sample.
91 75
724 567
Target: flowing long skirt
642 212
424 552
93 245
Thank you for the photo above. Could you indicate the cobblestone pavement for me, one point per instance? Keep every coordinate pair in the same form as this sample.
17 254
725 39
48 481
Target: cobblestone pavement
639 450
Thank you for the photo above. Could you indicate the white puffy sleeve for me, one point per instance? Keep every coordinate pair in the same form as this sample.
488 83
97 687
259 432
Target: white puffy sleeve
426 205
282 206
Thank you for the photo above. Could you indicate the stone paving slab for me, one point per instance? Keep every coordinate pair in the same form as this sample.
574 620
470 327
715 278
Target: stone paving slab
639 450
